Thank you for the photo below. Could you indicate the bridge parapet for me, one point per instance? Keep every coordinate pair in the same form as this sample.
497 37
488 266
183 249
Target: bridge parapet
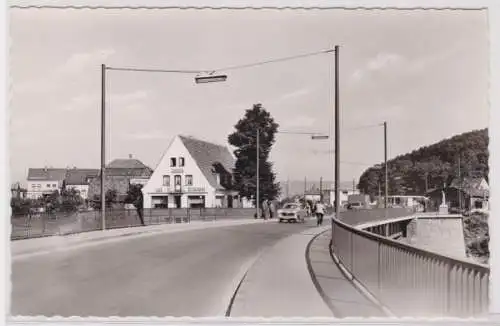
409 281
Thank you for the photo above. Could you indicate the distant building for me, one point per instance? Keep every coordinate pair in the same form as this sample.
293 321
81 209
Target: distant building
119 175
193 173
44 181
17 191
79 180
346 189
417 202
470 193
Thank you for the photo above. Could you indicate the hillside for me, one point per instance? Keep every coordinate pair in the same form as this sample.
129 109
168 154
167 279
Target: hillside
438 163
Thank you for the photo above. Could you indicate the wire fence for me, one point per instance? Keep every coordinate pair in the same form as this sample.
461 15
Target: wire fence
48 224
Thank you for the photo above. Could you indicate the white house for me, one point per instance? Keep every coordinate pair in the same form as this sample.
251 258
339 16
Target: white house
192 173
44 181
79 179
346 190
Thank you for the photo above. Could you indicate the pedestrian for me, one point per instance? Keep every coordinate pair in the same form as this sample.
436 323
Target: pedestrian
265 209
271 209
320 212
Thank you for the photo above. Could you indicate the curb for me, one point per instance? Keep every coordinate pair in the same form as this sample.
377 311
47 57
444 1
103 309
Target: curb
358 285
314 279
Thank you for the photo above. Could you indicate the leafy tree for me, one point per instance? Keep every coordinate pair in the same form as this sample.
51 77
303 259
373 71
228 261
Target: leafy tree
244 138
111 196
135 197
431 166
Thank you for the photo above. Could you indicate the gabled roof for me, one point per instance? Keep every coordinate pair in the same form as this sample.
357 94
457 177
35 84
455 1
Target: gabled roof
80 176
207 154
471 186
46 174
126 163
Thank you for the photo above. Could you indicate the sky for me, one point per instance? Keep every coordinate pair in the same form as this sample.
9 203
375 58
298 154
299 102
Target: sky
425 72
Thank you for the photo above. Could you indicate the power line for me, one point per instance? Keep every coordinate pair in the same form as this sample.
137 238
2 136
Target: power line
274 60
155 70
364 126
298 133
211 71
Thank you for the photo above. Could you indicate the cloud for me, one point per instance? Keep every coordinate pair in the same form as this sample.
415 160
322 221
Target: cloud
295 94
77 63
380 62
299 121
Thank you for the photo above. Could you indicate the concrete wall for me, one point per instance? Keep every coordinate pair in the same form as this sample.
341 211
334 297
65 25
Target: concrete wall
440 235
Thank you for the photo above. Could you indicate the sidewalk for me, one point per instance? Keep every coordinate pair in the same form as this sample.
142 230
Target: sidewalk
39 246
279 283
340 293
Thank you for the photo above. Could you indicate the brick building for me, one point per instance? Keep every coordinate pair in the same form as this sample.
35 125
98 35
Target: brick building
119 175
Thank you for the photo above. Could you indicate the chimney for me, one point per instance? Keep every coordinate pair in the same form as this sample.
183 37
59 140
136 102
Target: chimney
130 156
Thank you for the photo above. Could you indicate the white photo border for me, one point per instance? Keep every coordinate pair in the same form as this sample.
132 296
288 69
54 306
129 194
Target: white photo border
493 8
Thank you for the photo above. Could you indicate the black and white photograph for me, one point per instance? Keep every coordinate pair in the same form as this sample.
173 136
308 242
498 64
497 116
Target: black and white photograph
239 162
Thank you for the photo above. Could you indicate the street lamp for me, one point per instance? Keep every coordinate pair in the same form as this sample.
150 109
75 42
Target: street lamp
210 79
198 79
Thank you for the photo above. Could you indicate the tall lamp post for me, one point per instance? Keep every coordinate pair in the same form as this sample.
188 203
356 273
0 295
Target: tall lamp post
198 79
337 135
257 203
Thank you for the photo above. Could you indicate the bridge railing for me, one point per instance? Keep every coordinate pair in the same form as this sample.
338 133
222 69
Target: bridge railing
410 281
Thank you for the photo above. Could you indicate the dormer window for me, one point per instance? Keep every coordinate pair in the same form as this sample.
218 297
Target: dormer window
181 161
173 162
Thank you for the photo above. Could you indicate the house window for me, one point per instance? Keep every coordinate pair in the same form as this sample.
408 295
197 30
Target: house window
54 185
181 161
166 180
189 180
177 180
48 185
173 161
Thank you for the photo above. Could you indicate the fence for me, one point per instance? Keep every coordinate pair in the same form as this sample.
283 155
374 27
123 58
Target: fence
47 224
408 280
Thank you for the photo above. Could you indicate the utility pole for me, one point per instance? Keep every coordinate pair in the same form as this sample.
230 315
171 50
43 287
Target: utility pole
257 203
287 187
459 185
379 194
305 189
337 135
386 169
103 145
353 186
321 189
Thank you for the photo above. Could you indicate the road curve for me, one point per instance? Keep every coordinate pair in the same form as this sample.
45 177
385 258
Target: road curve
191 273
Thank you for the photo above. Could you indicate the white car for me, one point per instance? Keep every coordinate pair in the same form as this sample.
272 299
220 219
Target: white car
292 212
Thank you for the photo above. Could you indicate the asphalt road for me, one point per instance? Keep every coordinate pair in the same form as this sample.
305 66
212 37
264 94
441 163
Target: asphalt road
179 274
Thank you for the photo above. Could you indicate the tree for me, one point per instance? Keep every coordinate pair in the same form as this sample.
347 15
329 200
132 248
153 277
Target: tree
244 138
430 167
111 196
135 197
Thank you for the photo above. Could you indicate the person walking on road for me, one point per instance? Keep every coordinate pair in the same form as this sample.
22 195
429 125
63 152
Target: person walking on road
320 212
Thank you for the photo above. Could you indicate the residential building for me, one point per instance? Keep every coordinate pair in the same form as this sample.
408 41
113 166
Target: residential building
192 173
17 191
44 181
79 179
469 193
346 189
119 175
416 202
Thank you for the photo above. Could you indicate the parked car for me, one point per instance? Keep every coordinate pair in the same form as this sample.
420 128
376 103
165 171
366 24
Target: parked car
292 212
354 206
